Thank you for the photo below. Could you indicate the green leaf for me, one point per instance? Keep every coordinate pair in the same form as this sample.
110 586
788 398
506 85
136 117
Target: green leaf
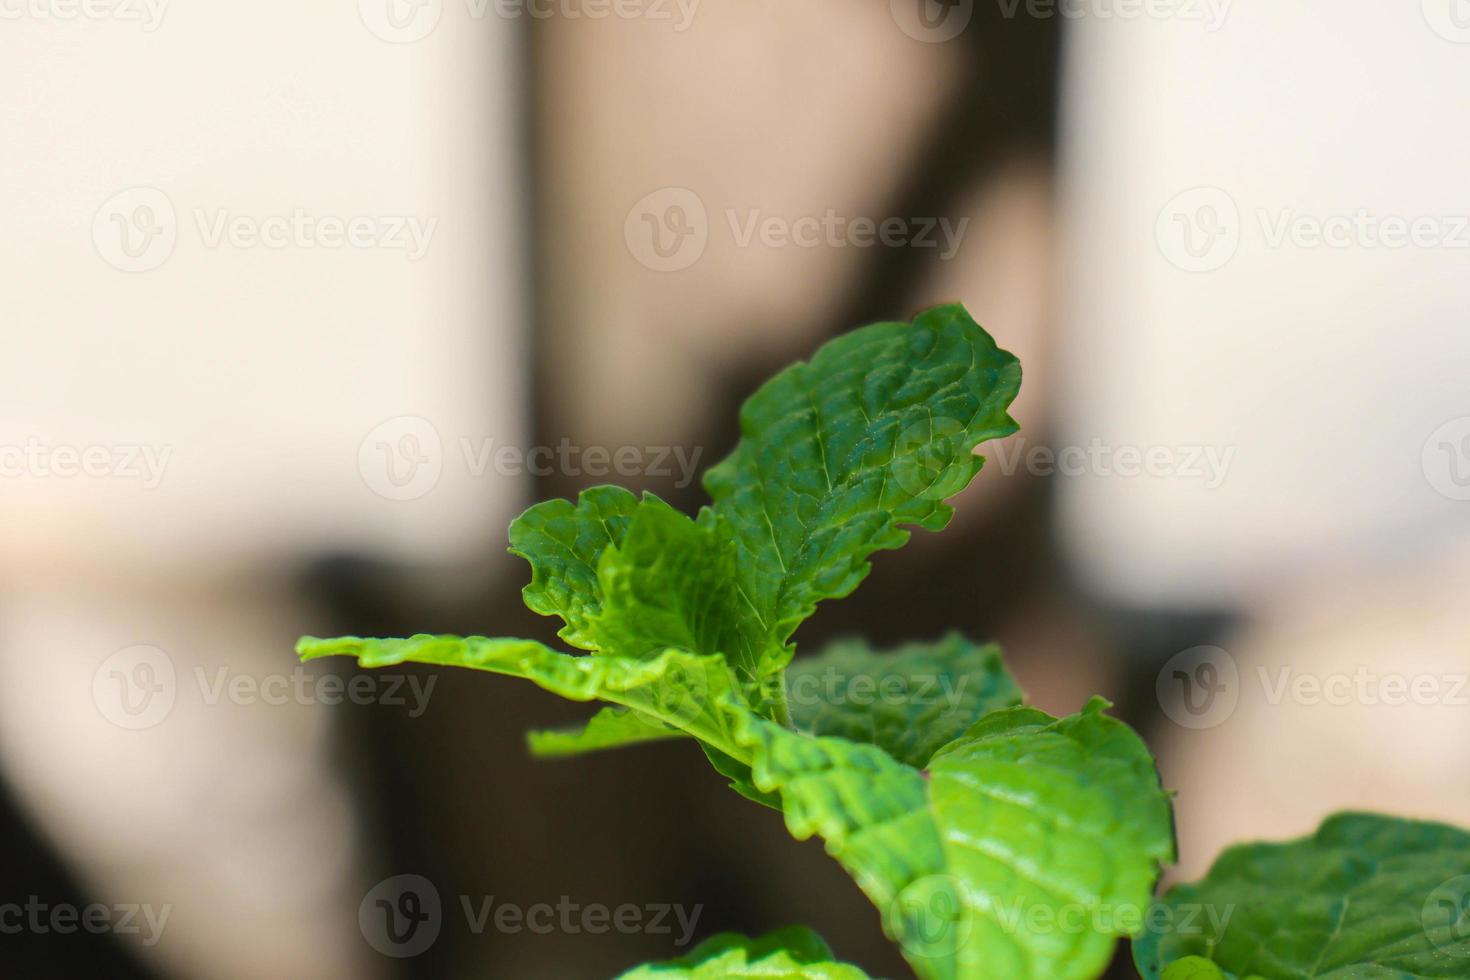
608 729
787 954
671 583
909 701
635 578
839 453
1367 896
563 542
675 688
1193 968
1062 825
741 779
1011 859
836 456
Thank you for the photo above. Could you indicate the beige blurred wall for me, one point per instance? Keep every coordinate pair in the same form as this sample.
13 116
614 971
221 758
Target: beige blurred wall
263 271
1324 362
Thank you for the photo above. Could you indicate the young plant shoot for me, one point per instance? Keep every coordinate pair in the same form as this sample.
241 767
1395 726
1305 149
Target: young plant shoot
996 841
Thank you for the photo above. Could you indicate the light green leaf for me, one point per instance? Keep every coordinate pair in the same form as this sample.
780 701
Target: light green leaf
1058 829
1366 897
909 701
659 580
563 542
839 453
1031 845
608 729
675 688
787 954
671 695
671 583
1193 968
741 779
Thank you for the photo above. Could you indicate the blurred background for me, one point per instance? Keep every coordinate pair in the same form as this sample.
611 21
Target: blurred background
303 302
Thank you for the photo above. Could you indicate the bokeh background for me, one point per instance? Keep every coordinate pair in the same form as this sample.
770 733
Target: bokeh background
303 302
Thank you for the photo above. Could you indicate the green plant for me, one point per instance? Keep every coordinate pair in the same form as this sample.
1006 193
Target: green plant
996 841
